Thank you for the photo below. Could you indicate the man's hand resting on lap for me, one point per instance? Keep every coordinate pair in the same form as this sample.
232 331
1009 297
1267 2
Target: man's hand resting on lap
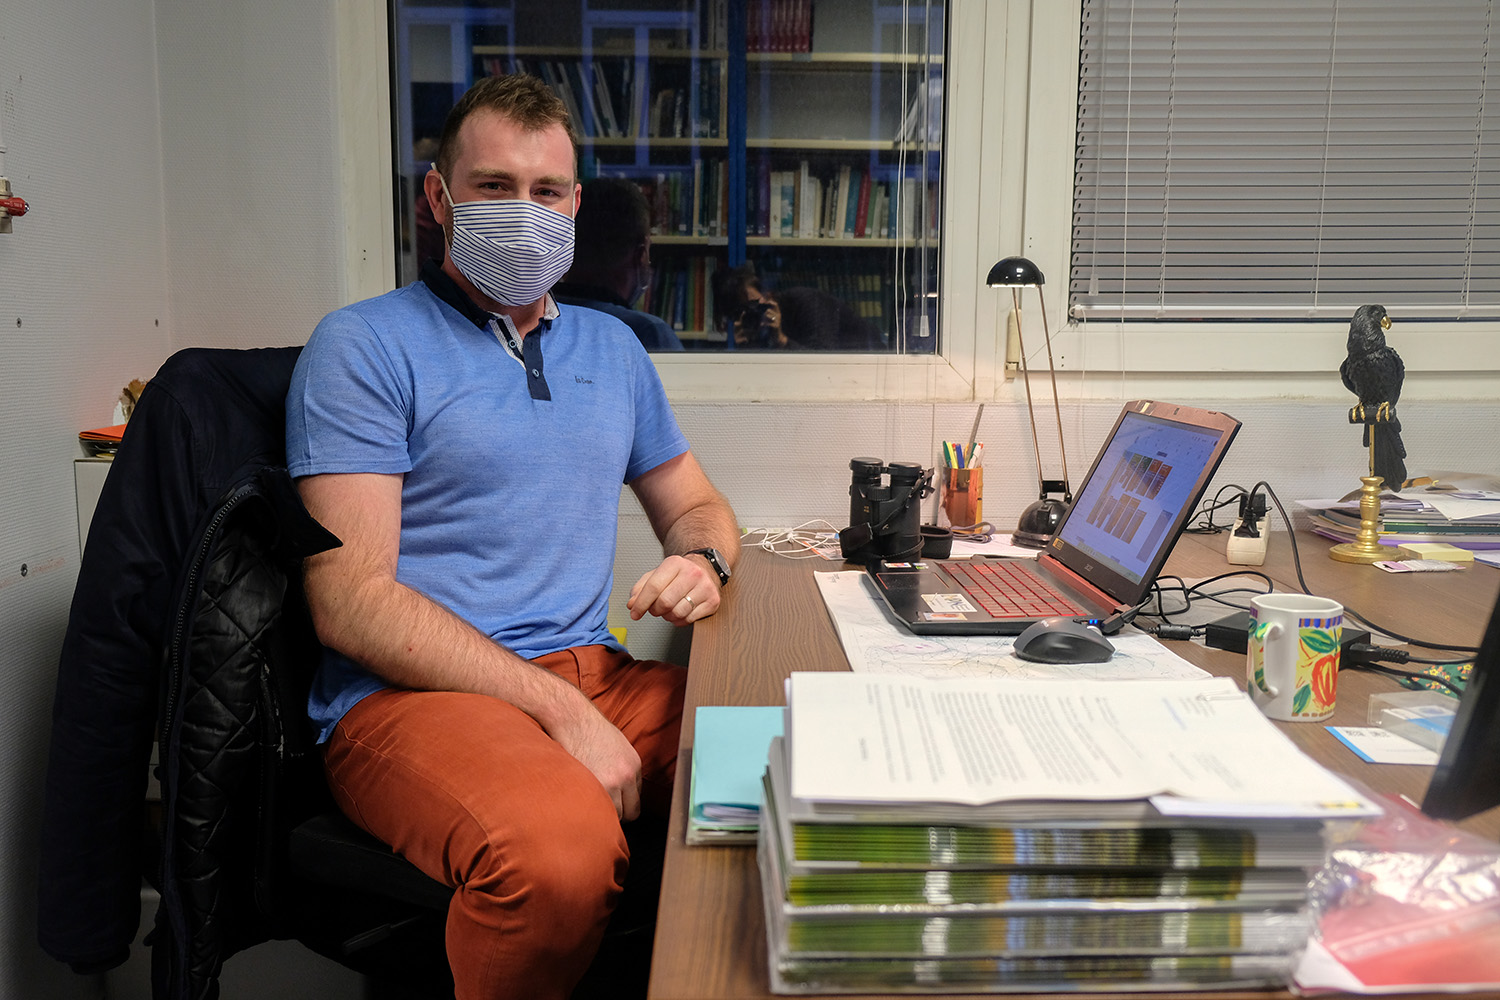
605 751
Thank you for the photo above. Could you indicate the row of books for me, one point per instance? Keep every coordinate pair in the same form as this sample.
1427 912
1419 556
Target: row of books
849 204
690 203
714 25
923 121
845 203
868 289
914 889
779 26
682 294
609 99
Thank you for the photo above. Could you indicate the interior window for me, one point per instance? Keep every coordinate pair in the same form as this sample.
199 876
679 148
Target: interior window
789 153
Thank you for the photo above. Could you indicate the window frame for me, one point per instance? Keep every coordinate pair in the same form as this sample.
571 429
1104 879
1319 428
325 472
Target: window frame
1008 189
1156 347
967 366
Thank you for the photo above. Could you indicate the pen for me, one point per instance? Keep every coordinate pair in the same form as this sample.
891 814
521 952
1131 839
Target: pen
974 431
958 453
975 455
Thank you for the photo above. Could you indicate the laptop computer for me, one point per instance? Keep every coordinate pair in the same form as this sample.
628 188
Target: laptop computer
1128 512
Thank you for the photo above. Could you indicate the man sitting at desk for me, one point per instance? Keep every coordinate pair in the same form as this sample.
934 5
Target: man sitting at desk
466 437
612 263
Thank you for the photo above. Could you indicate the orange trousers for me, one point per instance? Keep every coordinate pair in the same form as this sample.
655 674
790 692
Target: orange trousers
473 792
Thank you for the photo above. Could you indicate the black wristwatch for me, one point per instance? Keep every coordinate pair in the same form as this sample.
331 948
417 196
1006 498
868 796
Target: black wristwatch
715 560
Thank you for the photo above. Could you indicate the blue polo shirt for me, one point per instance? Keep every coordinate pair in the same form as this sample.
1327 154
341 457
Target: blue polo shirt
512 471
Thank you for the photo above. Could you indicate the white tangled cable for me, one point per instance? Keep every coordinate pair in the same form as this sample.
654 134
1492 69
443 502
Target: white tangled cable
801 542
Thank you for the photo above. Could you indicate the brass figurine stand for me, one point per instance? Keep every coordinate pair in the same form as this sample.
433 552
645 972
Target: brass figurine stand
1366 547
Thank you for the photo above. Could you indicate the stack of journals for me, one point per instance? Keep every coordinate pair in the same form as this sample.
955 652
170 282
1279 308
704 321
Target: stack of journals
729 756
907 843
1467 519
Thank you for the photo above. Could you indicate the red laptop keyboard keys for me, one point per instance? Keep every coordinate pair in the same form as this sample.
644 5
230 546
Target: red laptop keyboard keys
1006 590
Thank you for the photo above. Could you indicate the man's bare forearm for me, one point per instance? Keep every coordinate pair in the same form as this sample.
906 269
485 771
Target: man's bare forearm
411 641
711 524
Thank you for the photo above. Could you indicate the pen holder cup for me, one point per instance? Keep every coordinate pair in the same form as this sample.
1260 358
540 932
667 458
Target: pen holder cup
963 496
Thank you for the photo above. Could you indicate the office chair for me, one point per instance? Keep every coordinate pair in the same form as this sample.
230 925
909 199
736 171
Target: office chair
190 621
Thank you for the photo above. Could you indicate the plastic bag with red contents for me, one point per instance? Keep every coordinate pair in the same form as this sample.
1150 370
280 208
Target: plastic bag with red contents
1406 902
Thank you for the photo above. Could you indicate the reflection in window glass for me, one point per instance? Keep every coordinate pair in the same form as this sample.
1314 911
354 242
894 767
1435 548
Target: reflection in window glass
787 156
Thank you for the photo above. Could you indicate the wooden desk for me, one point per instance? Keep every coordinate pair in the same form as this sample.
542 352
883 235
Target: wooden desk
710 933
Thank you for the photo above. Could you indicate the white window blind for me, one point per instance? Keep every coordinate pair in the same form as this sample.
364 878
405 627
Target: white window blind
1287 159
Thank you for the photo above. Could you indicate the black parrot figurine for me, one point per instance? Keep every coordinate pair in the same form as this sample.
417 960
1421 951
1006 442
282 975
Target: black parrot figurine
1374 373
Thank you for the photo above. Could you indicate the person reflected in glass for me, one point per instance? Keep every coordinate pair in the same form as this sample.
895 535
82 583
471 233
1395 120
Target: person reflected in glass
611 269
429 235
790 319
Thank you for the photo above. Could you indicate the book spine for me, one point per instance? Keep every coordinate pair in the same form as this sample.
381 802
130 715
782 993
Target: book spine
862 209
763 183
851 204
788 202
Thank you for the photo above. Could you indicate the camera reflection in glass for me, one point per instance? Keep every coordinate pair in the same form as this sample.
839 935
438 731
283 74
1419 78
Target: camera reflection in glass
790 319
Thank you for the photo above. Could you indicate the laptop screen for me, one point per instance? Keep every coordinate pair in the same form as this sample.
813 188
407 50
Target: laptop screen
1142 488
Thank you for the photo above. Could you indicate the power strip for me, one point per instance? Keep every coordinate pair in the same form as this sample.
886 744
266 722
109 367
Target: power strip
1247 550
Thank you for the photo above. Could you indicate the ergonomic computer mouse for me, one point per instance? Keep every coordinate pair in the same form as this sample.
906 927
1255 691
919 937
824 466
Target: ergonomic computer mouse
1062 640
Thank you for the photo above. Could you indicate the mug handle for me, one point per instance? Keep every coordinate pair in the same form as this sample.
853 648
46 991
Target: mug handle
1272 631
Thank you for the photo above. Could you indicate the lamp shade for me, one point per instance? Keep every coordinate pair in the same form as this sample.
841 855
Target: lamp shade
1014 271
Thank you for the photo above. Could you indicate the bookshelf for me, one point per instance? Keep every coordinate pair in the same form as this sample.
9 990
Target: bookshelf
800 137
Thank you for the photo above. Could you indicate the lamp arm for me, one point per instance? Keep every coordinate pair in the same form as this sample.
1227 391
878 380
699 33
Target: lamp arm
1056 406
1015 297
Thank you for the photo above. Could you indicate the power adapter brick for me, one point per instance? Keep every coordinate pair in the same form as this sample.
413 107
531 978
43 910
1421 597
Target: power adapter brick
1232 632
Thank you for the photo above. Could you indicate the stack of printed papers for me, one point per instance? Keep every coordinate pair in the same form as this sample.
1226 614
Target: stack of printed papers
999 835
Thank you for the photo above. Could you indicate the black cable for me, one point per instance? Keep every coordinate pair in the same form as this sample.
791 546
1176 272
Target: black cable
1406 675
1206 512
1270 584
1196 591
1302 581
1447 662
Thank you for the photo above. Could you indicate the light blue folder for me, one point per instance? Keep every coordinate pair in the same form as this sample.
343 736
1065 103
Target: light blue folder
729 756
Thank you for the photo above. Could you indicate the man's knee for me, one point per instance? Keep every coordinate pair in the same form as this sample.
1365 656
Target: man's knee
568 857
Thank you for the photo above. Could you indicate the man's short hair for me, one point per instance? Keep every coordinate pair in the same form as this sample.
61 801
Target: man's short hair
613 221
523 99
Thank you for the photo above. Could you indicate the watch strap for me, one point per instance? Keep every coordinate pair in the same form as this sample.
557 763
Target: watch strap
715 560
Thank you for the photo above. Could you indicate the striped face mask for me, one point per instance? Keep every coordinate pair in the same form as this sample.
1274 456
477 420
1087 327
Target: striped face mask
512 249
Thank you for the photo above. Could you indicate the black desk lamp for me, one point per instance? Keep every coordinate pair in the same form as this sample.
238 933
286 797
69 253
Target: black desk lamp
1040 520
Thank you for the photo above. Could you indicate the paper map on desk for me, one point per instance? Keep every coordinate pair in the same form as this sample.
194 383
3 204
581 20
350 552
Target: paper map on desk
875 643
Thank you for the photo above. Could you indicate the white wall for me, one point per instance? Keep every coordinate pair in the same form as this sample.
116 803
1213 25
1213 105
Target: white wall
83 309
230 239
254 246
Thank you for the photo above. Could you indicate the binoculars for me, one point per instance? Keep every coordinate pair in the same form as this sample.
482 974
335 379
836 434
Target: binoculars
884 512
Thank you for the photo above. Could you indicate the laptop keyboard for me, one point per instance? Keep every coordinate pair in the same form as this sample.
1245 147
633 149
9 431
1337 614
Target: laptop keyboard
1007 590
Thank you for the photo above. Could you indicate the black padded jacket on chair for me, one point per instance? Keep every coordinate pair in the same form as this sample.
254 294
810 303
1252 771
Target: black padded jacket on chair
188 613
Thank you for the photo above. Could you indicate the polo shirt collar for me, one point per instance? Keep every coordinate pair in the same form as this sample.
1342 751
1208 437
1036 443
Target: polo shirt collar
444 287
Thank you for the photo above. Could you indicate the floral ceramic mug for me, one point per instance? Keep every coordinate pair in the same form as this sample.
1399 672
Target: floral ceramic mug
1292 659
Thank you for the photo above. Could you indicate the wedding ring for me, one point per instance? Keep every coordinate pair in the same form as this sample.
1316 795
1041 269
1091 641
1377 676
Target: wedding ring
689 599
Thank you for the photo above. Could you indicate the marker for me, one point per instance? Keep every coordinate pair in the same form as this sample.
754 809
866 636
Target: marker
976 456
